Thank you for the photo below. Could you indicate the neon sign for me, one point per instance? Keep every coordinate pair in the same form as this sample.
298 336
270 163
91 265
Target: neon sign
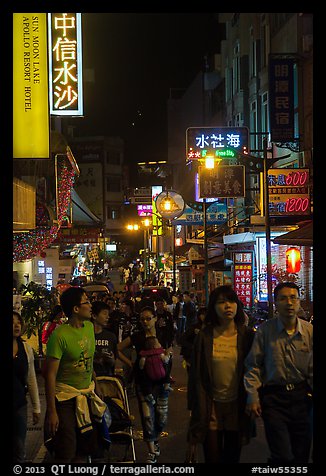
215 141
288 192
144 210
65 64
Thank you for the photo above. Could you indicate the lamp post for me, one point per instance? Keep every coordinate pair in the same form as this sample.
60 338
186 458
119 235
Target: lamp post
205 251
171 205
174 263
209 164
268 233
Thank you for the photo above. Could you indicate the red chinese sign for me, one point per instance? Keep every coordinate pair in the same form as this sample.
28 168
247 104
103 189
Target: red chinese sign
243 271
289 192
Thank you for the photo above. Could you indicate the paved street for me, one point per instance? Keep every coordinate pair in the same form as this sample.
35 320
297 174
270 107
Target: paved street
173 443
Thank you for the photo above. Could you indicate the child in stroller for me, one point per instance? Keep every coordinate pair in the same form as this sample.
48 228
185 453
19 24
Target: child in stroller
155 366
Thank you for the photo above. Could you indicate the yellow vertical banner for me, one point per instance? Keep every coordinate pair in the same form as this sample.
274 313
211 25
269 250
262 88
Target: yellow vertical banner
156 218
30 86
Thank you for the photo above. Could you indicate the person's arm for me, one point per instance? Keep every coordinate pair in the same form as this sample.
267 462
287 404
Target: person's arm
33 386
52 419
254 363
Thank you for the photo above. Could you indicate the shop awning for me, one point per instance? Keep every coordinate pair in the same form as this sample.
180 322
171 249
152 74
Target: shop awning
81 214
302 236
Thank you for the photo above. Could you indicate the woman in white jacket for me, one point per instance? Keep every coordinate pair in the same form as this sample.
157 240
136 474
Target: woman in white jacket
24 382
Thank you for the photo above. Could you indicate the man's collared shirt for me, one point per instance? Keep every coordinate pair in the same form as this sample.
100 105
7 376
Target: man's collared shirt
277 358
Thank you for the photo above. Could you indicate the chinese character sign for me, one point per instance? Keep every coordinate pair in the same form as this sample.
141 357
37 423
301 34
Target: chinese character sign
289 192
281 99
65 64
224 181
215 141
243 270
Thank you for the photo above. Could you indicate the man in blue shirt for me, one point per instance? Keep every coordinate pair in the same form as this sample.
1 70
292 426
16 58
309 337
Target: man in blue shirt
278 379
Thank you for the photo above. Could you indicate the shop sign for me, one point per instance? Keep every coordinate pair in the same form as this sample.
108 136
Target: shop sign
185 279
219 142
216 214
144 210
78 235
243 274
65 64
30 87
224 181
281 99
289 192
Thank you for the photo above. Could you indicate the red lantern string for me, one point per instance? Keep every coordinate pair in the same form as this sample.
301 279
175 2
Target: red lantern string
30 244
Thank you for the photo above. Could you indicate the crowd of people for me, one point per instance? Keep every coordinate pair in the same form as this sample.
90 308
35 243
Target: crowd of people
234 373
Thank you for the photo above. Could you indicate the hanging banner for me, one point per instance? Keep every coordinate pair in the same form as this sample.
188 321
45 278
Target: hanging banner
281 99
65 64
30 87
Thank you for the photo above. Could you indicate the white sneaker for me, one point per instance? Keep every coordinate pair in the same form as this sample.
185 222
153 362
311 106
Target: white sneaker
151 458
157 449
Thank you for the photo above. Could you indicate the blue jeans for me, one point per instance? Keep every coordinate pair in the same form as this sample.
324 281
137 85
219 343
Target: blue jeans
20 431
153 411
181 325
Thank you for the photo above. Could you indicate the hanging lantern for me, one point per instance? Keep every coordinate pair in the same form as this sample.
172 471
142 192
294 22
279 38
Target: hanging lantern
293 260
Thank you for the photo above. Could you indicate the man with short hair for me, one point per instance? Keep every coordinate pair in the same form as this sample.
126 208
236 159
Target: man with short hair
106 342
70 382
278 379
164 325
189 309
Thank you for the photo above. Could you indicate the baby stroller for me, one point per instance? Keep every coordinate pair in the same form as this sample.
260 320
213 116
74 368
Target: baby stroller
122 448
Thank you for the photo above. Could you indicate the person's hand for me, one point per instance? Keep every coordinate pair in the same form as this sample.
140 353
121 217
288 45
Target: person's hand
52 423
253 409
36 418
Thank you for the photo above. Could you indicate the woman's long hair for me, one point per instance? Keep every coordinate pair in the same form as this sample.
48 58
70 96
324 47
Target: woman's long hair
228 293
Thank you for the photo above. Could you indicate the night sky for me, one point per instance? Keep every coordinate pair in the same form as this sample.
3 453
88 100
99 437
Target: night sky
136 58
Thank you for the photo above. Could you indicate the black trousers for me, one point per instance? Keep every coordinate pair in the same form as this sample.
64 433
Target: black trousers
287 420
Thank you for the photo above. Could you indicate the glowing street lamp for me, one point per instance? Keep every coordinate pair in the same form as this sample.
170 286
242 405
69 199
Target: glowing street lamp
209 162
133 227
